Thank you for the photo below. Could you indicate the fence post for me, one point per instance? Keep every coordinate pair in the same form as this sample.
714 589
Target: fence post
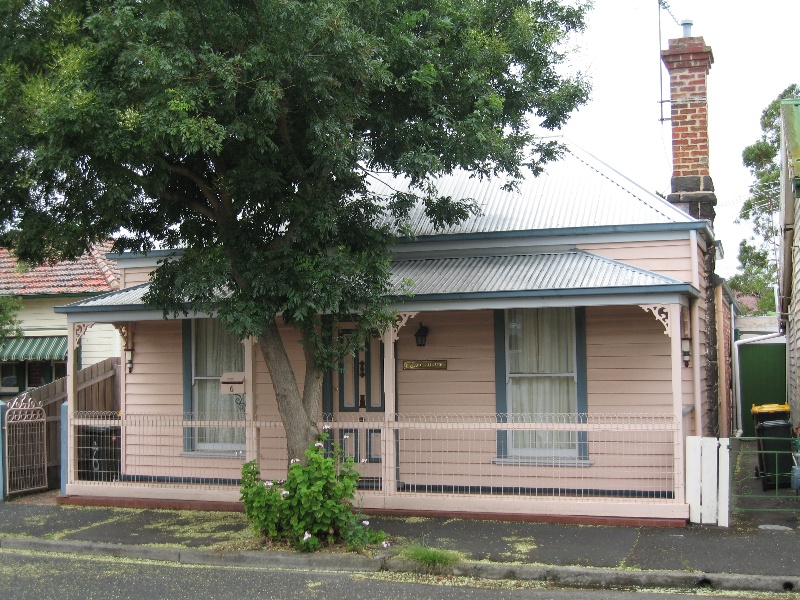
3 409
64 447
693 474
709 480
724 492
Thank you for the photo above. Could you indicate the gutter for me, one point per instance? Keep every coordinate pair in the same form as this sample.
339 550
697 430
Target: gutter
737 391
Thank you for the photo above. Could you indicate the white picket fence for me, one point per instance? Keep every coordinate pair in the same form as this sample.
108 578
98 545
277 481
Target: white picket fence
708 480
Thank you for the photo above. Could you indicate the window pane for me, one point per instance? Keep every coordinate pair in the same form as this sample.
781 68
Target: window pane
59 370
35 374
543 395
542 380
216 352
541 340
9 376
348 382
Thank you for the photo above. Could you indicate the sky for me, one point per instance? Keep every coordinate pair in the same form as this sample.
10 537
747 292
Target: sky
754 47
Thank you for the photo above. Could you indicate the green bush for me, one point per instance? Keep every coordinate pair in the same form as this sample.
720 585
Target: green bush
313 507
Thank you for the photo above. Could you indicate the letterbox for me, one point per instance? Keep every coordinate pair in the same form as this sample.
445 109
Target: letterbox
231 383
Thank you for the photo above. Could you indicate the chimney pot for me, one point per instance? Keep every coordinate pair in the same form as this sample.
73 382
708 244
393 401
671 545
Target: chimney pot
687 27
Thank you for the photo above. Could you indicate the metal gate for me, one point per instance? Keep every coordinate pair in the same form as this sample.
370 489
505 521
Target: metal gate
25 445
765 476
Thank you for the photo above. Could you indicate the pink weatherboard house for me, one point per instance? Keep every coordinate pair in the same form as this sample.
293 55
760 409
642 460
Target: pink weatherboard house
551 360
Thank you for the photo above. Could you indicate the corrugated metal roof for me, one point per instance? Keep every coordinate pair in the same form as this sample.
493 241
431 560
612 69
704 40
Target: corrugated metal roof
124 298
578 190
34 348
560 271
570 270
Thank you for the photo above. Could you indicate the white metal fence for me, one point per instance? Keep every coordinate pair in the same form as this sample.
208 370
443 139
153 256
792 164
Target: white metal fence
629 458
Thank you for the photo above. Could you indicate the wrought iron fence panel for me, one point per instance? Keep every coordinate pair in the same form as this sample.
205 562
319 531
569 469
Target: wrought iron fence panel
26 445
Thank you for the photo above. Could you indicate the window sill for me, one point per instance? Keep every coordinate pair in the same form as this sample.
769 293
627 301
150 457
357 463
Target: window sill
240 454
542 461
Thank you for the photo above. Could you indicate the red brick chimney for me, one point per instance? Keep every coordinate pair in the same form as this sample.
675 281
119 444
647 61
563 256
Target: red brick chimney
688 61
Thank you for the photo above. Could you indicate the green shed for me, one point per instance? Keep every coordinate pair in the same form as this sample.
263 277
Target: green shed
762 376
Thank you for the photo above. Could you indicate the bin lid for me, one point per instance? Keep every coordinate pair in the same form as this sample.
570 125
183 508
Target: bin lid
772 424
771 408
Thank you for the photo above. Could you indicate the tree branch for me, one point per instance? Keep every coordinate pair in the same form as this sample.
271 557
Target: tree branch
205 189
190 204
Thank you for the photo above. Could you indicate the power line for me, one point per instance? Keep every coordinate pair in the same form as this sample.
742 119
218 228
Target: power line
765 184
743 199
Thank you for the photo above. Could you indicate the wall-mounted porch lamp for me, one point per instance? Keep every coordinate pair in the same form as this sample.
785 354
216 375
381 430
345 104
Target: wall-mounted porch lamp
128 333
686 350
421 335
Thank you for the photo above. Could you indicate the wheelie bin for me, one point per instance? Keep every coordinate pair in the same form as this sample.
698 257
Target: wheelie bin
774 453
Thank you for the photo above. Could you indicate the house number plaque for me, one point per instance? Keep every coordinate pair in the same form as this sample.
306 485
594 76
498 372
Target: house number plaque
425 365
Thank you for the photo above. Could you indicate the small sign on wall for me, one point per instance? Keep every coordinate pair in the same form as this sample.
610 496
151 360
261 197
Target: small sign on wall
425 365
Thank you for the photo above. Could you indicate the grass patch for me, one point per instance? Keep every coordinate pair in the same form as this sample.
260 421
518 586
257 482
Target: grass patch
431 558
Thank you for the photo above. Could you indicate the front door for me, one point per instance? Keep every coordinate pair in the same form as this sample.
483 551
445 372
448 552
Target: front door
357 403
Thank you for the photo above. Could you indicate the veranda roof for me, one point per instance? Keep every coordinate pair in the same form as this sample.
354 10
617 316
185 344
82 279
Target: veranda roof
574 274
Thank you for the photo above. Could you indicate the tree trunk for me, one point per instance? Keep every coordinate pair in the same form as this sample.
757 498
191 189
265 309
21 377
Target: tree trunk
312 387
301 429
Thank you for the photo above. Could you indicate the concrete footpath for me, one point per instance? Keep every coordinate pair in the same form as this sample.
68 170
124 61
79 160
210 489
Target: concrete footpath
758 552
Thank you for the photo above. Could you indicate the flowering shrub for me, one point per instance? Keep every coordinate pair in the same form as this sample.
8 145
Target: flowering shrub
314 506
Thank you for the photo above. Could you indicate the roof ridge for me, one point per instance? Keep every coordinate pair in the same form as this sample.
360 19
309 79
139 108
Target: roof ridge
631 181
108 268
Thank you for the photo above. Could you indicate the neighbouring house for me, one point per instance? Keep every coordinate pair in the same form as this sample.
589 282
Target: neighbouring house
557 350
39 357
789 267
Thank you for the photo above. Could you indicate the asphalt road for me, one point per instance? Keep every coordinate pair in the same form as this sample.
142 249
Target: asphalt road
42 576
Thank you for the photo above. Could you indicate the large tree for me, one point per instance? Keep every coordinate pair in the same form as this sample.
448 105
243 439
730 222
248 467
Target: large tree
757 271
247 133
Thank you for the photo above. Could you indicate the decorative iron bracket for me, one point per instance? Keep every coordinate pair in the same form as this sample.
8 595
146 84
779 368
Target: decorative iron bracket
80 330
660 312
126 332
400 321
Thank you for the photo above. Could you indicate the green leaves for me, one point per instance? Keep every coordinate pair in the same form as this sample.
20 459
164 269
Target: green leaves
248 133
313 506
756 278
757 273
9 316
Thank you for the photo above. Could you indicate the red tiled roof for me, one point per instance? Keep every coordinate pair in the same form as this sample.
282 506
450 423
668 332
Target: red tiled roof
91 273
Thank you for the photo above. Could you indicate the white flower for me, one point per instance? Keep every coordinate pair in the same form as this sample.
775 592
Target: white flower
285 493
365 523
326 427
319 444
347 437
306 537
363 460
268 484
385 544
294 460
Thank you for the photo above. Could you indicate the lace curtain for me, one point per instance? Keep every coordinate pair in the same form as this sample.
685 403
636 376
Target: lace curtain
541 365
216 352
